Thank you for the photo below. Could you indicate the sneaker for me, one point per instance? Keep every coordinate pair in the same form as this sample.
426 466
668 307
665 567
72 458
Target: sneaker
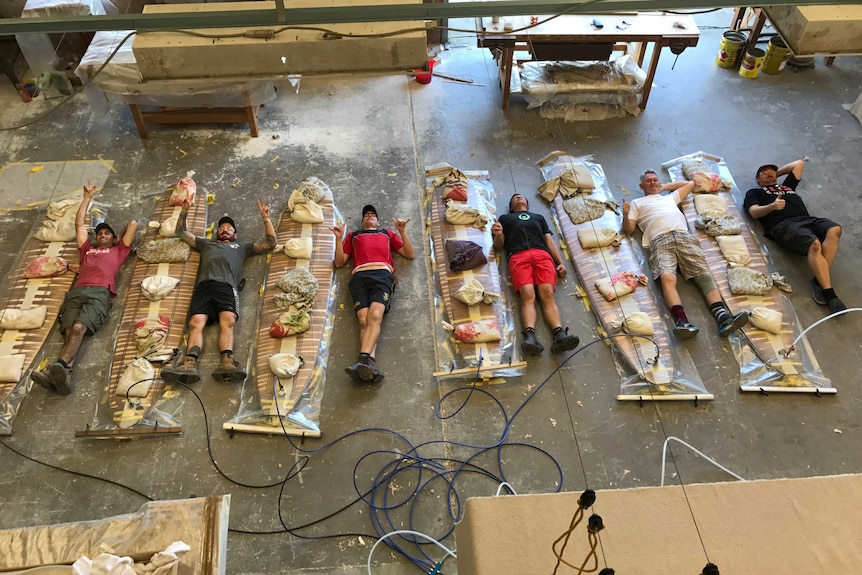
368 371
41 378
353 371
564 342
685 330
229 370
55 378
530 345
187 372
835 305
817 292
732 323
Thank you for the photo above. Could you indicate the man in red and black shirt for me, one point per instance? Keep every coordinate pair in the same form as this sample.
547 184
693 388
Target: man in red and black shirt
86 306
373 281
786 221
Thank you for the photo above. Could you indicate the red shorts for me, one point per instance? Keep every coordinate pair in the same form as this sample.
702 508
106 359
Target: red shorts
532 267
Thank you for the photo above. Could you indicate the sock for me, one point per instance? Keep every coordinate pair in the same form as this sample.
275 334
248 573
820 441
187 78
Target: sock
194 352
828 294
557 330
530 330
63 363
678 313
363 356
720 313
227 351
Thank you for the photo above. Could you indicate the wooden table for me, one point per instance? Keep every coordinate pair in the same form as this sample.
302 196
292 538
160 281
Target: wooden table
573 37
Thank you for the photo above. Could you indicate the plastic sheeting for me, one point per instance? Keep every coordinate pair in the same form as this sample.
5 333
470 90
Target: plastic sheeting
202 523
456 359
766 361
588 90
655 368
116 80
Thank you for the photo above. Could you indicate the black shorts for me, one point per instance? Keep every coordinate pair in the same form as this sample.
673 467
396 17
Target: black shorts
371 286
89 305
797 234
211 298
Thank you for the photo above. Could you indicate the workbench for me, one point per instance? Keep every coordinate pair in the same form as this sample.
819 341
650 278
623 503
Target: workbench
574 37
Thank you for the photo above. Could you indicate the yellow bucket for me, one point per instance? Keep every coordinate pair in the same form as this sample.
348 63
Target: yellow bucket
751 63
728 49
777 55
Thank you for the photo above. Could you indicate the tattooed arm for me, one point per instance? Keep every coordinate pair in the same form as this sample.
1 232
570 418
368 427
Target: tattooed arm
182 232
268 242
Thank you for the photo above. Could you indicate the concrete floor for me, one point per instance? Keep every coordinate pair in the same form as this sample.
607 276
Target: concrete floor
369 138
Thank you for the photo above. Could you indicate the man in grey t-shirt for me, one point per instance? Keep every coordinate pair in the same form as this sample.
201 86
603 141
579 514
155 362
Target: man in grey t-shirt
215 297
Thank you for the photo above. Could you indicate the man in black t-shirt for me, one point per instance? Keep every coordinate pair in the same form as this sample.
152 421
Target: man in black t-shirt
786 221
534 264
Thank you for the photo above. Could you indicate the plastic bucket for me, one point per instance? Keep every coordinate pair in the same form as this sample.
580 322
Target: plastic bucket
777 55
728 49
424 76
751 63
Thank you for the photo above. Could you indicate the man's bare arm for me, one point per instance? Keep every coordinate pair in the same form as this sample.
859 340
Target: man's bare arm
268 242
182 232
81 234
796 167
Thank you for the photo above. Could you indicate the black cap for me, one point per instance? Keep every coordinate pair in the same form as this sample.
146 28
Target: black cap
765 167
104 226
226 220
369 208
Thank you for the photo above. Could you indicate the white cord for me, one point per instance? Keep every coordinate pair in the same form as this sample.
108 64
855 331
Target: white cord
505 484
407 532
714 462
818 322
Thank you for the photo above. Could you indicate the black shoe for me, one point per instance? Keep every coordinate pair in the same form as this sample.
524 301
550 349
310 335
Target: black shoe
41 378
353 371
564 342
368 371
685 330
61 378
732 323
835 305
817 292
530 345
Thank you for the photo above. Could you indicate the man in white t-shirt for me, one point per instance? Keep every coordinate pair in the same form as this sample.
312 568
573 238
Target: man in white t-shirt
671 246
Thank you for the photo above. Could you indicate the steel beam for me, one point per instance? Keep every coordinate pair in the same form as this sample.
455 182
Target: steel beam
344 14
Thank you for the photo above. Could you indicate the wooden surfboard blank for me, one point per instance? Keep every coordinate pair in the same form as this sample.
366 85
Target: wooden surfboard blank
295 398
494 355
116 416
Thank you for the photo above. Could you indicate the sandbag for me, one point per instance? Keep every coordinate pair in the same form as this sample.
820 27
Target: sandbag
465 255
582 209
285 365
298 248
299 286
747 281
168 228
462 215
710 205
184 188
12 367
473 292
158 287
64 209
45 267
311 189
168 251
706 182
56 231
766 319
689 167
590 238
726 225
291 322
571 181
482 331
307 213
17 318
734 250
137 379
636 323
150 336
619 284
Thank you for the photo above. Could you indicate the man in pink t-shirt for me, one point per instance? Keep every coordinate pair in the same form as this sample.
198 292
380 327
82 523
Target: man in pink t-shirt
372 282
86 306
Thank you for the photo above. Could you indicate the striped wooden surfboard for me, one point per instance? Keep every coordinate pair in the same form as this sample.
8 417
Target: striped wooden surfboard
456 359
25 293
117 416
292 406
654 361
769 368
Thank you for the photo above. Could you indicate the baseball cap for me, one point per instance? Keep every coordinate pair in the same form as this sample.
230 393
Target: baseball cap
104 226
226 220
369 208
765 167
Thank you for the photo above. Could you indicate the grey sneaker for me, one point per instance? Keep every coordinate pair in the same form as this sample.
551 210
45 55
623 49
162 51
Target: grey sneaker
530 345
817 292
55 378
368 371
187 372
229 370
41 378
564 342
733 323
685 330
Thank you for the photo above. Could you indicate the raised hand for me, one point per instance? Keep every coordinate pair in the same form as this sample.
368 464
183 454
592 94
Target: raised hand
496 228
264 209
400 224
338 230
89 189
